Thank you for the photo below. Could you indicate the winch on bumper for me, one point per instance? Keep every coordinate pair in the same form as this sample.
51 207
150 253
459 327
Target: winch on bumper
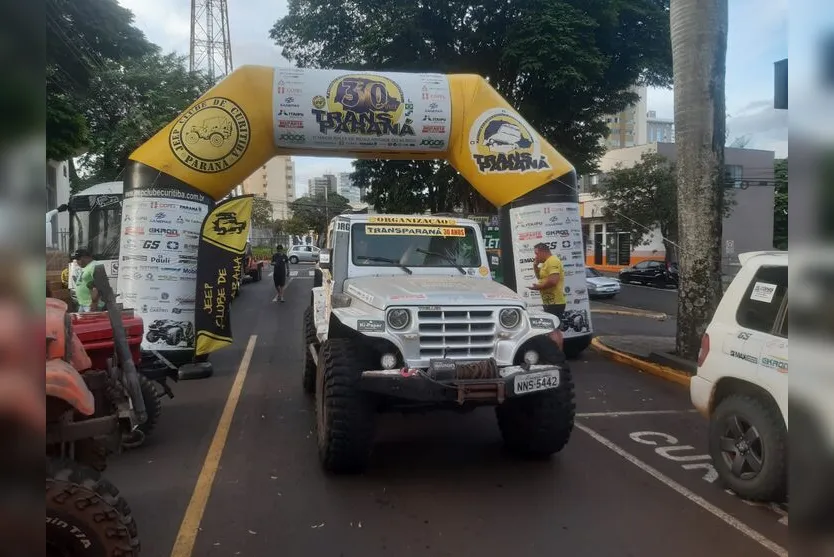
481 382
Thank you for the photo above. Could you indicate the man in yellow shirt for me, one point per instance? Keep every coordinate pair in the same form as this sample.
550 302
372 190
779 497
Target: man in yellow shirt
548 268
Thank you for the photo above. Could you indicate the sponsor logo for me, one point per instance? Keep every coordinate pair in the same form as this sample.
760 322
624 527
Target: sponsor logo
566 244
745 357
168 277
580 291
190 209
191 235
433 108
434 129
134 258
291 124
160 259
291 114
500 141
576 254
162 205
560 233
186 300
291 138
435 119
168 232
185 259
282 89
534 235
211 136
743 335
161 218
172 245
524 260
370 326
187 271
129 243
289 102
541 323
101 201
134 231
432 143
775 363
364 105
150 244
572 209
187 246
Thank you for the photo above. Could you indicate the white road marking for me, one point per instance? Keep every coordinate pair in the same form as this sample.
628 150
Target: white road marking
632 413
697 499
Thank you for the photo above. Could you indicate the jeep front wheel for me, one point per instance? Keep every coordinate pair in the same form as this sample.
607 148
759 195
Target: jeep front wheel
345 417
540 424
310 340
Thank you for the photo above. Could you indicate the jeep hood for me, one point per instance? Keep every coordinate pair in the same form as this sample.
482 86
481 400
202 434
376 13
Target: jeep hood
382 292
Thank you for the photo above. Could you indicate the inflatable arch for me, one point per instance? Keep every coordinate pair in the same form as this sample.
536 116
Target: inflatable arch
259 112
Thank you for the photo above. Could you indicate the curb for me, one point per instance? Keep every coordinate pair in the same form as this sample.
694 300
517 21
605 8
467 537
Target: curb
656 316
657 370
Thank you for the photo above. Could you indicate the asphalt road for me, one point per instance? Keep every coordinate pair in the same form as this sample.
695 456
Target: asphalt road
646 298
631 482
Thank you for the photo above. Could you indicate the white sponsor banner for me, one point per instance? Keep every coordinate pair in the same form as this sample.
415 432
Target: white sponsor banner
558 225
362 111
158 267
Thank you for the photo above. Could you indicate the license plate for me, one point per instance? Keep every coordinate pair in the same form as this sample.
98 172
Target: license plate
532 382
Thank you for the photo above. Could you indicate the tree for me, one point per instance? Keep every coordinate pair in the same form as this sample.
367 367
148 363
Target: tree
261 213
699 52
641 197
82 36
128 103
564 64
314 212
296 227
780 205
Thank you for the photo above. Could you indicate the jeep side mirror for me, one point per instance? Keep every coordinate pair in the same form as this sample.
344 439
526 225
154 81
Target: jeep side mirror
324 259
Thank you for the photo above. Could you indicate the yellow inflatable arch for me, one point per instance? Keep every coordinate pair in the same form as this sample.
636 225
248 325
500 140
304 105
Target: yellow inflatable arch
259 112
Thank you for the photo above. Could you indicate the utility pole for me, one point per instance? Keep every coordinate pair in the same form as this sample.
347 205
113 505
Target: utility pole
211 44
699 55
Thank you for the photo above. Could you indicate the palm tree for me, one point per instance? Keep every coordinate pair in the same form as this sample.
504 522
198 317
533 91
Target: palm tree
699 51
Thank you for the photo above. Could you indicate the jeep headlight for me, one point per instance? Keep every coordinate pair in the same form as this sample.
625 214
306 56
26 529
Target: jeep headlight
398 319
509 318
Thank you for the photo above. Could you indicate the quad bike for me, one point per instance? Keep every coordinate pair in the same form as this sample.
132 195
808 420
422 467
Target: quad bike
88 411
574 319
171 331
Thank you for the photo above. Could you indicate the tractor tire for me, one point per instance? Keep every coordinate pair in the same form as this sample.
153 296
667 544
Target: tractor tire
85 515
760 425
539 425
309 376
153 404
345 415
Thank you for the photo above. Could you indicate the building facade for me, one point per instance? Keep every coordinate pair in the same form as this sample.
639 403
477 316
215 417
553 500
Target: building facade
659 130
276 182
321 184
57 194
347 189
628 128
749 227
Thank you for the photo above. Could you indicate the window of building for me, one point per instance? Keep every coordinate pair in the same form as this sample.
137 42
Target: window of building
759 308
734 174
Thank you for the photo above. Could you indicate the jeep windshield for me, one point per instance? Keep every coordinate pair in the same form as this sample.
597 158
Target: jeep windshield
385 245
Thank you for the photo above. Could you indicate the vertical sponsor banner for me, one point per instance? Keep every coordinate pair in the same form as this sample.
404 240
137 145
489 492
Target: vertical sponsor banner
157 264
492 239
222 246
558 225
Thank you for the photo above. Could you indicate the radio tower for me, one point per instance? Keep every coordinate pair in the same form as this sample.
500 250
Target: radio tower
211 46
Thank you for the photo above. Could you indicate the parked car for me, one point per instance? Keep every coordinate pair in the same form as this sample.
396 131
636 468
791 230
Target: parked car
742 379
600 286
303 254
651 272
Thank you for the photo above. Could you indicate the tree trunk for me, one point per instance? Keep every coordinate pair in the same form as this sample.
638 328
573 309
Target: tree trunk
699 49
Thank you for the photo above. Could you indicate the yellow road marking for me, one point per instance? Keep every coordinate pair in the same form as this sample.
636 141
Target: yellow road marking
187 535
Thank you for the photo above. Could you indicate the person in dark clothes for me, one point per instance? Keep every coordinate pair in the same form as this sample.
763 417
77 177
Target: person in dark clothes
280 272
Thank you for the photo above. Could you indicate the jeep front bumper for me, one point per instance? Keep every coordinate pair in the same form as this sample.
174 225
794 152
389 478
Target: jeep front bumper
417 385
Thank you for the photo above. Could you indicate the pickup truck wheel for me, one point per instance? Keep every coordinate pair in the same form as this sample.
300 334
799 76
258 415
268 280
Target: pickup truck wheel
749 447
309 376
85 515
539 425
344 414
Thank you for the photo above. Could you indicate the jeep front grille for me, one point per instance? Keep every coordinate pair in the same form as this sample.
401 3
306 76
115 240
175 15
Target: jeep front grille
457 333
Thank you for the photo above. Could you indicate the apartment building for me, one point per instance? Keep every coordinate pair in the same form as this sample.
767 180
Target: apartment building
659 130
321 184
628 128
276 182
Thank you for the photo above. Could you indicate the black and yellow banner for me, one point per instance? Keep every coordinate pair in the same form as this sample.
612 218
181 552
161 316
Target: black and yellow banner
219 267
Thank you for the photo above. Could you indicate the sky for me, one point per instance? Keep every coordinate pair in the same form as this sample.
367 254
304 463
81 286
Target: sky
758 37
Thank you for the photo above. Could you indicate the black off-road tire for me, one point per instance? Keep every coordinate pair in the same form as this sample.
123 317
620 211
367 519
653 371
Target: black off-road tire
152 396
345 416
173 337
85 515
770 484
539 425
309 375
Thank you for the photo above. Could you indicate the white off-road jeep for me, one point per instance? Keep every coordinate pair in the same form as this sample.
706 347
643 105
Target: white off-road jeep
406 316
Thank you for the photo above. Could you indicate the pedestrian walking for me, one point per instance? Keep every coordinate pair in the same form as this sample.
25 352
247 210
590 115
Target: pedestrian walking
280 272
551 284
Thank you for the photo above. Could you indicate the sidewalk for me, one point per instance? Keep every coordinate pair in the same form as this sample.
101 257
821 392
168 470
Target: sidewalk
649 354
